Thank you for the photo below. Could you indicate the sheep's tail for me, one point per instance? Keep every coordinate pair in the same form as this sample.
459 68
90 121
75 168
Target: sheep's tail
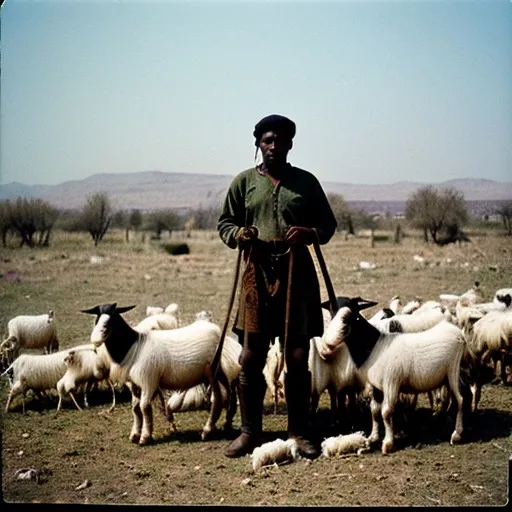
8 370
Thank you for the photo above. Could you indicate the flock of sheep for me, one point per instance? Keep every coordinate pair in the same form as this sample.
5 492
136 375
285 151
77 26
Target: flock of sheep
435 347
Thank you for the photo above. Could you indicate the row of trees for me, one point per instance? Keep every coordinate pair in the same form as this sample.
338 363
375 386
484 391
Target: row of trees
440 214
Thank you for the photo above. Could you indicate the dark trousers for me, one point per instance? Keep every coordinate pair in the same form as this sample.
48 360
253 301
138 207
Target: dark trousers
252 385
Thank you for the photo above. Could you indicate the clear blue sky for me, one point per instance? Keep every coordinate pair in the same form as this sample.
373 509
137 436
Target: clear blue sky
380 91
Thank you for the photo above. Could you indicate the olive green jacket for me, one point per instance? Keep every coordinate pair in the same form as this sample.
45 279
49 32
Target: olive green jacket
297 200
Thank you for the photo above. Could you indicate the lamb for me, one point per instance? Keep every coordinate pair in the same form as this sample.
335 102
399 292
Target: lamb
161 359
342 444
278 451
38 372
397 362
31 332
88 366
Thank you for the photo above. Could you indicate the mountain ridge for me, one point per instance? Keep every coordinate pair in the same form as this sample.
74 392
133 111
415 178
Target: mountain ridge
154 189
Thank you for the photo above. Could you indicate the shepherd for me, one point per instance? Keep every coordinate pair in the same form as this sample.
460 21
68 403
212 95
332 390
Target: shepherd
272 212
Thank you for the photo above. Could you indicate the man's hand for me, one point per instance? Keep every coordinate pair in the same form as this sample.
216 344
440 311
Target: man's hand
300 235
245 235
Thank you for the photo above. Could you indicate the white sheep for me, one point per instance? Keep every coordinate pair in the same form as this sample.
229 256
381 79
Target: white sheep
411 306
154 310
490 337
195 398
161 359
278 451
85 366
504 295
414 322
159 321
272 372
31 332
192 399
343 444
469 297
337 373
394 363
37 372
204 315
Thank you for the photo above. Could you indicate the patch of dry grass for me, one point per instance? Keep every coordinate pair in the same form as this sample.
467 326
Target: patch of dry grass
181 469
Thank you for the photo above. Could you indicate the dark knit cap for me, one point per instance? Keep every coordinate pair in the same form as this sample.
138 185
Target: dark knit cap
275 123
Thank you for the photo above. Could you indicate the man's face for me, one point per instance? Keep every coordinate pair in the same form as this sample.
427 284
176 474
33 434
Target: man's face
274 148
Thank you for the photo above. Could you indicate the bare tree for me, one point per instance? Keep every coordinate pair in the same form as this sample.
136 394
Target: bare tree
30 216
342 212
505 211
97 215
5 220
434 210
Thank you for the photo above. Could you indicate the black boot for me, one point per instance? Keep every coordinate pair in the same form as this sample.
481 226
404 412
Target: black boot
298 391
251 393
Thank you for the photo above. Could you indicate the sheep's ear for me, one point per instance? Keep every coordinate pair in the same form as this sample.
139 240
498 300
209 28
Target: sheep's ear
93 311
124 309
340 302
363 303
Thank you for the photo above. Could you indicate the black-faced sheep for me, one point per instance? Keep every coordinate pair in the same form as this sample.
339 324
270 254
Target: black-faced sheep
394 363
161 359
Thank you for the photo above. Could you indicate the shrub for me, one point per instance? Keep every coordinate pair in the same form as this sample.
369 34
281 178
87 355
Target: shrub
176 249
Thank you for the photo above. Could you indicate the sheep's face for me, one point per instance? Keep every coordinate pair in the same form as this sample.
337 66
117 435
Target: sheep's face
101 329
336 332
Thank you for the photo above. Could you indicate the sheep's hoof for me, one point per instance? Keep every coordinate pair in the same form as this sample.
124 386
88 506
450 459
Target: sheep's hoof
387 447
456 438
205 434
134 438
373 439
145 440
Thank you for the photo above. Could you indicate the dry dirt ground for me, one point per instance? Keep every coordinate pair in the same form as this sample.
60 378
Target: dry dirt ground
86 457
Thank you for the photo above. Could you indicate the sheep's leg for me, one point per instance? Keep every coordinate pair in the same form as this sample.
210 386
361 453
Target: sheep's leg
342 414
147 417
113 395
230 413
453 381
388 404
333 398
376 397
74 401
476 391
503 368
16 389
314 406
137 414
166 410
215 411
445 402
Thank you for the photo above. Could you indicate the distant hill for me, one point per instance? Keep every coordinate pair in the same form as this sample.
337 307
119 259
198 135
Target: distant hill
152 190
